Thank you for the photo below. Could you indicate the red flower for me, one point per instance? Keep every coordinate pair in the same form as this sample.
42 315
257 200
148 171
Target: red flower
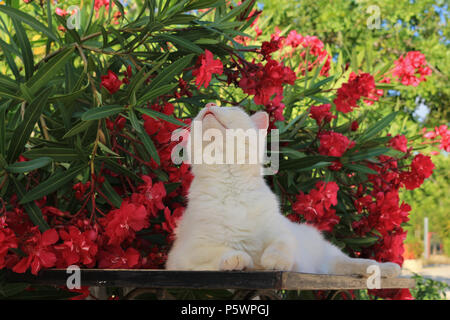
266 82
409 67
111 82
334 144
361 85
354 126
38 248
116 258
8 241
150 195
422 166
78 247
61 12
335 166
268 47
315 207
399 143
122 223
171 219
100 3
443 132
321 113
206 66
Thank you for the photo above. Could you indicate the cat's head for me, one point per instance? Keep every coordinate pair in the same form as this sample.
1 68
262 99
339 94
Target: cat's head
227 136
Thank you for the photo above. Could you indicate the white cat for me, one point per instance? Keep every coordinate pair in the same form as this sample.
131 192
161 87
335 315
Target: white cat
233 221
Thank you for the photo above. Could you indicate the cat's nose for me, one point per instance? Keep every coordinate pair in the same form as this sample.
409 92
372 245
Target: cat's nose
210 104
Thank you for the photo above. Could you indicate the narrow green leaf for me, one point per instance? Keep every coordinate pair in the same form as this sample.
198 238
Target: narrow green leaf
362 155
27 166
360 168
101 112
134 121
181 42
26 18
154 93
9 95
377 127
149 146
237 10
158 115
79 127
22 133
112 195
51 184
168 74
56 153
48 71
31 208
25 48
115 167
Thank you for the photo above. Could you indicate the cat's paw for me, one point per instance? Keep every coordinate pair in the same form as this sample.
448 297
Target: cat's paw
273 259
390 270
235 260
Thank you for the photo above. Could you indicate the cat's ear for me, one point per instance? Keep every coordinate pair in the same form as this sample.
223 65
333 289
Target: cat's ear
261 120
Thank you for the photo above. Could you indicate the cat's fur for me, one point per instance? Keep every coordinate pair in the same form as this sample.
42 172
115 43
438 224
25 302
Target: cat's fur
233 220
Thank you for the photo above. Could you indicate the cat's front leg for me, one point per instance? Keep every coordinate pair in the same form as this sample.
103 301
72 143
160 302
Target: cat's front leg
279 255
235 260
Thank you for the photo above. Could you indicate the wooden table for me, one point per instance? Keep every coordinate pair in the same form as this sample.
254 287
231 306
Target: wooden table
249 283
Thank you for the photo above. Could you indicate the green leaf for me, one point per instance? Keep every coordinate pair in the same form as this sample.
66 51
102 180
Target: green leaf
134 121
117 168
168 74
25 48
112 195
31 208
79 127
365 154
377 127
101 112
27 166
11 289
237 10
305 162
149 146
56 153
360 168
9 95
183 43
51 184
154 93
366 241
26 18
158 115
48 71
23 131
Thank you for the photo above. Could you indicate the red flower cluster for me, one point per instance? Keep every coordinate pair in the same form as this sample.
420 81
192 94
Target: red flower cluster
206 66
111 82
440 135
421 168
321 113
78 247
361 85
399 143
265 82
315 207
334 144
8 241
39 250
411 69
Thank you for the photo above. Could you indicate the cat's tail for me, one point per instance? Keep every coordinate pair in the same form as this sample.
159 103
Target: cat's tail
344 265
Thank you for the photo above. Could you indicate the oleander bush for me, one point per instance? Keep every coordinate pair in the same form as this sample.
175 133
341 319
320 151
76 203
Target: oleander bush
91 92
